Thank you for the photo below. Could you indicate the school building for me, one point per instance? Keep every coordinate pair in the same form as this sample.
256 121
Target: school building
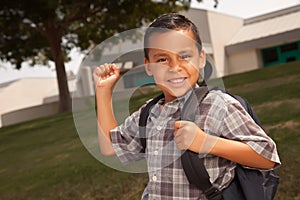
232 43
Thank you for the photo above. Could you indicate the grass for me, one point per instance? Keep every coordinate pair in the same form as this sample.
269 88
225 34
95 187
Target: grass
45 158
274 94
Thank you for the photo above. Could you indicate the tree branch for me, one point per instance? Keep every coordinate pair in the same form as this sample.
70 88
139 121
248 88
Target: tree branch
80 17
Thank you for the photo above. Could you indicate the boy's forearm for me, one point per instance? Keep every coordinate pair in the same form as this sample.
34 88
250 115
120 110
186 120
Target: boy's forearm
106 121
241 153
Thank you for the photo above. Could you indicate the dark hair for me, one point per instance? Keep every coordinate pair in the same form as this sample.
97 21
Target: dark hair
170 21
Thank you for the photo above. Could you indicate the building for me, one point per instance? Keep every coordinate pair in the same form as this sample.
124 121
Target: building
265 40
233 44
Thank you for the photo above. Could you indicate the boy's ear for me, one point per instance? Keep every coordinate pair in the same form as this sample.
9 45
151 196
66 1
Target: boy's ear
147 67
202 58
202 63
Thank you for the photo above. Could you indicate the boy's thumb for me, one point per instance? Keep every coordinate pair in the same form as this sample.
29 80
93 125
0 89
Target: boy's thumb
116 69
179 124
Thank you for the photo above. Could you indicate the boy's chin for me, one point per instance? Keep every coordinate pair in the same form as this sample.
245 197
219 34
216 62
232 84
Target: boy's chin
174 93
178 92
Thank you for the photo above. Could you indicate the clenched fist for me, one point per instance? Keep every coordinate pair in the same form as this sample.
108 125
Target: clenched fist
189 136
105 76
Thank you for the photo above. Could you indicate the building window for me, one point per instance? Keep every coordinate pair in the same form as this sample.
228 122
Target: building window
137 79
281 54
270 55
288 47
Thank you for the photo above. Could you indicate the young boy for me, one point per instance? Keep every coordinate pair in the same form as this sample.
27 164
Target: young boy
222 128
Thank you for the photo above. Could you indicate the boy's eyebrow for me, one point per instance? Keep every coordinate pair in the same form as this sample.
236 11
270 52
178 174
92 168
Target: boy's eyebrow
160 54
185 51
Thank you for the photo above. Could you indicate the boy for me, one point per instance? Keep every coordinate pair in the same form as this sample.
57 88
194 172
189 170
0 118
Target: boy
222 129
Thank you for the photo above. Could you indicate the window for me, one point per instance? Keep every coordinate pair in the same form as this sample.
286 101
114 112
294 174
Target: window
291 59
270 55
281 54
288 47
136 79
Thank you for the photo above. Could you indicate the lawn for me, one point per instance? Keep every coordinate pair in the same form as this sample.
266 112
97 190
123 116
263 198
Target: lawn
45 158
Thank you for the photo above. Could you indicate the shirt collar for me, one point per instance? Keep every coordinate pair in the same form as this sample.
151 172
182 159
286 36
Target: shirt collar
179 100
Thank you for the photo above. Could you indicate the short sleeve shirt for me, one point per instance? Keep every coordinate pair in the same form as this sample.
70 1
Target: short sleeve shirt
219 114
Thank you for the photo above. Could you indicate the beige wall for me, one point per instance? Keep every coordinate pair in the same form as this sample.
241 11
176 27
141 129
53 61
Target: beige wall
85 84
46 109
29 113
199 18
243 61
222 29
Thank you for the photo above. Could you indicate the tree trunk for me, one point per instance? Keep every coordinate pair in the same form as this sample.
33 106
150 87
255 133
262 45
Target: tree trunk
65 103
54 37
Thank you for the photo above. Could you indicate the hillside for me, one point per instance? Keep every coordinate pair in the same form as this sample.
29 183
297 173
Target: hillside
45 159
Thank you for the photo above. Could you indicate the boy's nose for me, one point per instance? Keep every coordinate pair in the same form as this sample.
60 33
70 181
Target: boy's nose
175 66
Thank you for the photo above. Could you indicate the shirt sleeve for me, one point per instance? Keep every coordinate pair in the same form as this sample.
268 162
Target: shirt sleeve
126 141
239 125
225 117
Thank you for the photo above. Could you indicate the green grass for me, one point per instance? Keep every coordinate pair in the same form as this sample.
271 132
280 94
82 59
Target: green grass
274 94
45 158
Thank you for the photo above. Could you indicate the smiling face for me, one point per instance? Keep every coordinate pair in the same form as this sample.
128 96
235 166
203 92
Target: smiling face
174 61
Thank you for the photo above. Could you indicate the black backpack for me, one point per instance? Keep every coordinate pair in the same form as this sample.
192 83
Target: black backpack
248 184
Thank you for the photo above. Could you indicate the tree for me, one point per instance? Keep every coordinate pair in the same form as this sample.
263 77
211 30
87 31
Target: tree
30 28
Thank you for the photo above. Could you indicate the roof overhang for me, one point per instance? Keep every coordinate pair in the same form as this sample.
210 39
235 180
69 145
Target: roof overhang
265 31
259 43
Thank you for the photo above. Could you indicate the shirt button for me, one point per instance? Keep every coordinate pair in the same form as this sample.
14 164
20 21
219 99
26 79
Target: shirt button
154 178
159 128
155 152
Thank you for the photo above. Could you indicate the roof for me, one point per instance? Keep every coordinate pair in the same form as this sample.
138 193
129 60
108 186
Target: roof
268 25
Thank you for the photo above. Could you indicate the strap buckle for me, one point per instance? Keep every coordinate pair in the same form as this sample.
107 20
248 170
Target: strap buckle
213 194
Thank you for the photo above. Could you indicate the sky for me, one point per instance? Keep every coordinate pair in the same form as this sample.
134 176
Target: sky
243 9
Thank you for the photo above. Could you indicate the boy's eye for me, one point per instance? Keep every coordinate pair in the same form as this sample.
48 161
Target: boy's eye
185 56
160 60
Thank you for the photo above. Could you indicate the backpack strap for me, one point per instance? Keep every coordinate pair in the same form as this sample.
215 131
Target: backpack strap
192 165
197 175
143 120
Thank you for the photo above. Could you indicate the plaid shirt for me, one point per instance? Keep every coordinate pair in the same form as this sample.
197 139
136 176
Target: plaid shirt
219 114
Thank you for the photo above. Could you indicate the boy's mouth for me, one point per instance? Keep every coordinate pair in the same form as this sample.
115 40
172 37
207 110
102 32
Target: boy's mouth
177 80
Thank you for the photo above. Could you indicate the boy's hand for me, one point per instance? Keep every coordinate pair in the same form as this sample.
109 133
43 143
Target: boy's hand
189 136
106 75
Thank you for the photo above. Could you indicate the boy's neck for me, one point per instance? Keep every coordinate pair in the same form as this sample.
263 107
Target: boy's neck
165 101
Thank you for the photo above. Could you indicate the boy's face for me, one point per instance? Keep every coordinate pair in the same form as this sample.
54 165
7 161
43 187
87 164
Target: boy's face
174 62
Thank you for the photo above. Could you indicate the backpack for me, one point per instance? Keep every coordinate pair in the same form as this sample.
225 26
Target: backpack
248 184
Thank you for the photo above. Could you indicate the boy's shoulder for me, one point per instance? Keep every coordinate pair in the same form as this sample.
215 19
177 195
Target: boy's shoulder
217 101
217 96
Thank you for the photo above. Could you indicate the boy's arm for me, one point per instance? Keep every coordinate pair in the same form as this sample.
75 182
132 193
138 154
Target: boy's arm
105 77
241 153
190 136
